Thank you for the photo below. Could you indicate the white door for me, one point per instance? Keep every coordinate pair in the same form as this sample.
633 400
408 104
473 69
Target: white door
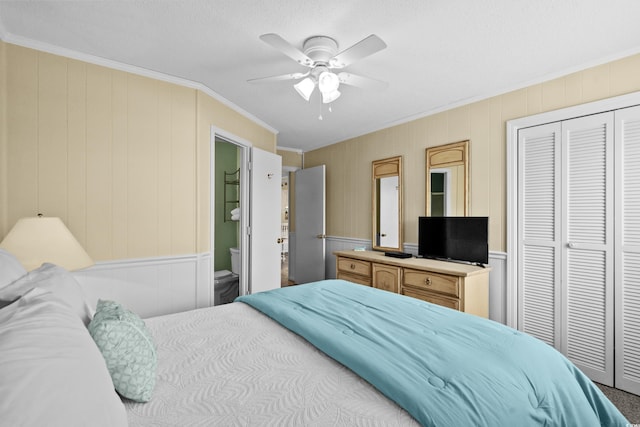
538 232
309 224
266 177
587 244
627 352
565 239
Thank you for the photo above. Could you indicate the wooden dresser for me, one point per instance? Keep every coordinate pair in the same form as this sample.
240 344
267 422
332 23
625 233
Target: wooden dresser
458 286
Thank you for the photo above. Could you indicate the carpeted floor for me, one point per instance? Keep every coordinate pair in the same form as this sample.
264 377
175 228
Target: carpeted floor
627 403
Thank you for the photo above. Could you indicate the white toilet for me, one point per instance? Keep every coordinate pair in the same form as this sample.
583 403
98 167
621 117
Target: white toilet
235 260
225 282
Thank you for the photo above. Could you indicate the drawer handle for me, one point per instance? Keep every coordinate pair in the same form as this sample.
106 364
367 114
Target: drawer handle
353 266
427 281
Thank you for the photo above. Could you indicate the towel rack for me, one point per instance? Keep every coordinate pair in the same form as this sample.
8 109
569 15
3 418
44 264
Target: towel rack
231 192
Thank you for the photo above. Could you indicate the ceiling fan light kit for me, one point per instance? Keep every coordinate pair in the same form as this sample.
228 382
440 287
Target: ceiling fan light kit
328 82
305 87
319 54
328 97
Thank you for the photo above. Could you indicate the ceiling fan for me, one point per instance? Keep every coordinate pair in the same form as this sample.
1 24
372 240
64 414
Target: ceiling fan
320 54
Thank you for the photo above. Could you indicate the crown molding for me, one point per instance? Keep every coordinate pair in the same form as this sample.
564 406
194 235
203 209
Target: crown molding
109 63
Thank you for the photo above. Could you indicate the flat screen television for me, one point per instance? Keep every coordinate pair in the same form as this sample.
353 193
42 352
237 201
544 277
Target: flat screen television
455 238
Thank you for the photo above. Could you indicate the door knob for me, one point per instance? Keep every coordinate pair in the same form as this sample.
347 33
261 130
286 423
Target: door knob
321 236
280 240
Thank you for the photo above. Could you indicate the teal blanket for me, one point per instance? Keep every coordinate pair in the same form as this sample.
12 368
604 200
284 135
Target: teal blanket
444 367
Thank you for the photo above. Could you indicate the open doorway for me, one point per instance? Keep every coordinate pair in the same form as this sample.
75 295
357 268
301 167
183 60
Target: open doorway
287 227
258 216
284 231
229 160
226 174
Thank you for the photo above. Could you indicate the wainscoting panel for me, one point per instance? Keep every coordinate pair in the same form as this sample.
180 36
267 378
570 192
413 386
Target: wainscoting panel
497 262
151 286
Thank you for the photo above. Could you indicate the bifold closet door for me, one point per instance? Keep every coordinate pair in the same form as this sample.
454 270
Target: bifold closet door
565 241
539 234
627 357
587 219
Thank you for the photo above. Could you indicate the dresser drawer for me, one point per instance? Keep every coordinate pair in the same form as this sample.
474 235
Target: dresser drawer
386 277
354 266
435 282
433 298
361 280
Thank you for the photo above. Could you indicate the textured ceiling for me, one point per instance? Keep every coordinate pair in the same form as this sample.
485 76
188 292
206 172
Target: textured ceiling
440 53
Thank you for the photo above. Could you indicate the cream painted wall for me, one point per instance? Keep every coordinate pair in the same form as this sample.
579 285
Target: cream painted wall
483 123
290 158
213 113
122 159
3 138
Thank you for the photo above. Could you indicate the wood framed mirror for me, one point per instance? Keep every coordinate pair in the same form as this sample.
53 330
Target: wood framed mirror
386 209
447 174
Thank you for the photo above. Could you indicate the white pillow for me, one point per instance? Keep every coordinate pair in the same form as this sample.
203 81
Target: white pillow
10 268
52 372
55 279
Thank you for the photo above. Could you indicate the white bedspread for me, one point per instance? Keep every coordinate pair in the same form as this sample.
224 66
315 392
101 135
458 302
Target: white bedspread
233 366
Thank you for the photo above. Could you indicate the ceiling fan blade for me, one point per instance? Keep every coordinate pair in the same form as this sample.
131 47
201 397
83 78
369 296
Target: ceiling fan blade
287 48
365 47
361 81
282 77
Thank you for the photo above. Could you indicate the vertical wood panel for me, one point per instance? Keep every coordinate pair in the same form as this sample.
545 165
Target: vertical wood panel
120 166
4 162
534 99
99 172
52 135
553 95
77 150
625 75
143 167
22 134
480 188
183 182
165 170
595 83
573 89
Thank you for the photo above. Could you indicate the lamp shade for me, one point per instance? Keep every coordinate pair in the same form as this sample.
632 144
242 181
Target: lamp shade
40 239
328 82
328 97
305 88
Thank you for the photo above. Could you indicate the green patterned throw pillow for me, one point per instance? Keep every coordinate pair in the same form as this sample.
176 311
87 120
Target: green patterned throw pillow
128 349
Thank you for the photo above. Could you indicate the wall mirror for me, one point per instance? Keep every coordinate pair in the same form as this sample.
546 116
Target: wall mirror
447 190
387 204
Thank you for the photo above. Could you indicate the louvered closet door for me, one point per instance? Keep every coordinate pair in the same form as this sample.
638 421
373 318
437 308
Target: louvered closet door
587 244
628 249
539 232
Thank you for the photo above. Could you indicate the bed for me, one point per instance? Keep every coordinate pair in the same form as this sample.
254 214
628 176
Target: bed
326 353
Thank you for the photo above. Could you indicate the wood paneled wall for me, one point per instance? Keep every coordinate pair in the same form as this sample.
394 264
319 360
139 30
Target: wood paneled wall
483 123
123 159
